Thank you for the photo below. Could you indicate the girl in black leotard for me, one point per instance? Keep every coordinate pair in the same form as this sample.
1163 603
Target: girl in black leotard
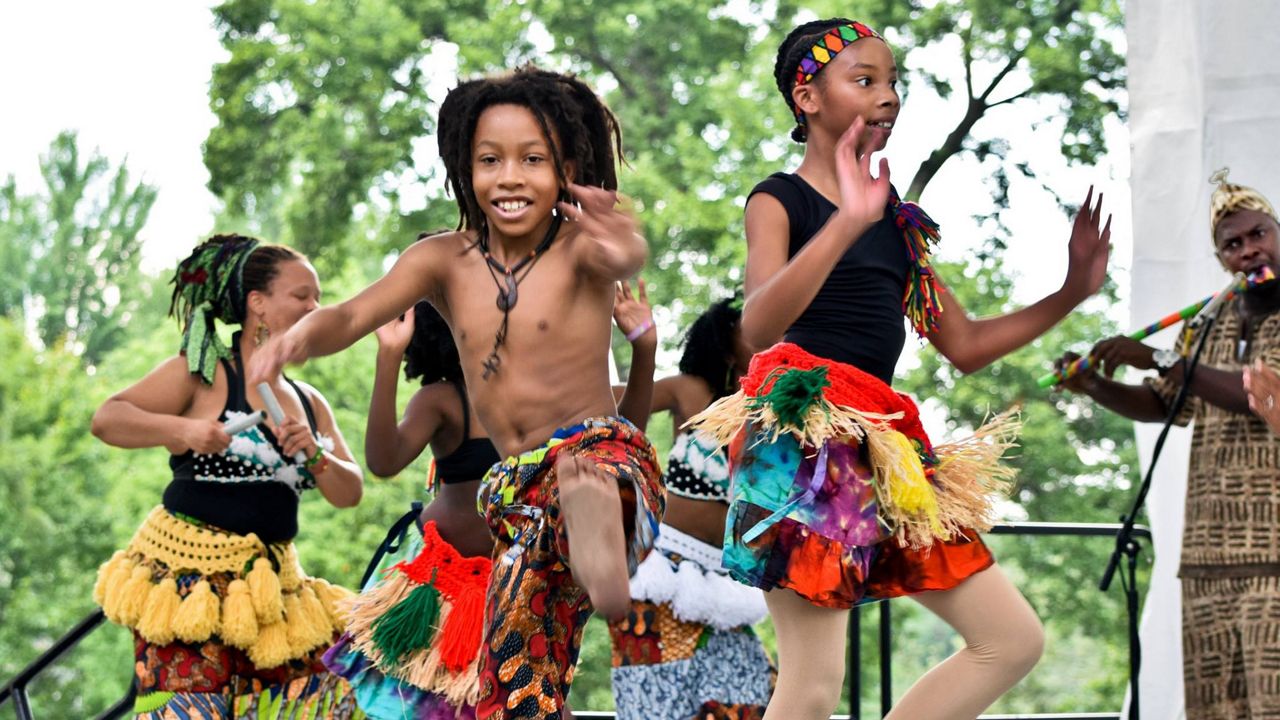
225 622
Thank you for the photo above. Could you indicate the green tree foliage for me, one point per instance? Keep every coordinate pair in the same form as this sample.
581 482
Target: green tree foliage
319 106
71 251
54 482
17 227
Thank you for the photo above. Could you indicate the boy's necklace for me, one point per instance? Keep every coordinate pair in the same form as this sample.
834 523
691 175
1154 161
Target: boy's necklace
509 285
509 291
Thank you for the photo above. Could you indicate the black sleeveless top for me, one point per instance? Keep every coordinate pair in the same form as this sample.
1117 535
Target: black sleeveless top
473 458
248 488
856 317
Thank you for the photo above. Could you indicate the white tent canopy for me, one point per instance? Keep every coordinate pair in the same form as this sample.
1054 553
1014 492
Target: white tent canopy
1204 88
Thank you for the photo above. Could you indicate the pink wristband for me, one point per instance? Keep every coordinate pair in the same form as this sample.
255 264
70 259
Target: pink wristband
641 329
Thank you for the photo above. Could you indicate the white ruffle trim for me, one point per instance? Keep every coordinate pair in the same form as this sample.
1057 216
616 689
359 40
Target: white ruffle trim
698 589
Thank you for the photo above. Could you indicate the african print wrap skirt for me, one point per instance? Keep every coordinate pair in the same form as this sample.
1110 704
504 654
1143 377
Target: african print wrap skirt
536 613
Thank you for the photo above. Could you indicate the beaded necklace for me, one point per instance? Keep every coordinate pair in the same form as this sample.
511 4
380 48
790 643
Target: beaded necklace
509 285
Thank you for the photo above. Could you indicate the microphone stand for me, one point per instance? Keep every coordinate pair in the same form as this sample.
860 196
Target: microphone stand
1126 544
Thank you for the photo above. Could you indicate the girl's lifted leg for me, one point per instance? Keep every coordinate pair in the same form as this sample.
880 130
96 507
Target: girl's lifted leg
811 657
597 547
1003 640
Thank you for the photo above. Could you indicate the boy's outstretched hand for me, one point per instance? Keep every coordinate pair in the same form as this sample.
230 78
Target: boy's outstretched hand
617 251
1088 250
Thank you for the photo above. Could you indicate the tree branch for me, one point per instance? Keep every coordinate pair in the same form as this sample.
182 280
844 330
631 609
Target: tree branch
1000 76
978 106
953 144
966 39
595 57
1012 98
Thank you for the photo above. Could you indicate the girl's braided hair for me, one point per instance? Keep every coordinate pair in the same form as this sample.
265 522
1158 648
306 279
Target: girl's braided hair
798 42
432 354
709 346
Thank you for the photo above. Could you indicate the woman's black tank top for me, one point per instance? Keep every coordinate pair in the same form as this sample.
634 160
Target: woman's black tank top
248 488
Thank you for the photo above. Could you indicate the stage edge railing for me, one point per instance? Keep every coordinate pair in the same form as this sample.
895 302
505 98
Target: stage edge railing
16 689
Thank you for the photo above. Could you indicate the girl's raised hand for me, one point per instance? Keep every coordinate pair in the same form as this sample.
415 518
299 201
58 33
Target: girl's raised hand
1088 250
395 335
631 312
862 197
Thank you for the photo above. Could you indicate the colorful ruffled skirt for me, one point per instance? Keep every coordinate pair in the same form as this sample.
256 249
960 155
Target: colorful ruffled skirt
686 649
224 624
413 642
838 493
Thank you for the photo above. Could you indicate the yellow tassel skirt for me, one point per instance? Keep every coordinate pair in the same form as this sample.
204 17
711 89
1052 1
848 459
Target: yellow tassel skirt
179 582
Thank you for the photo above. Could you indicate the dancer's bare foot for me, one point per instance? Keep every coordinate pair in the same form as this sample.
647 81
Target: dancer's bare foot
593 520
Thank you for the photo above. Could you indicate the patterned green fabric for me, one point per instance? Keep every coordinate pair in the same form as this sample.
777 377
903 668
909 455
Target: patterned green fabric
150 702
207 287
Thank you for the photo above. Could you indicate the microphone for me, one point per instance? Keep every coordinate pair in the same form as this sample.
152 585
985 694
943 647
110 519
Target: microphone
277 415
1211 308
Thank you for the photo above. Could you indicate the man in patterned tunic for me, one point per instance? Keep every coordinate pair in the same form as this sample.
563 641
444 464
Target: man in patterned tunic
1230 567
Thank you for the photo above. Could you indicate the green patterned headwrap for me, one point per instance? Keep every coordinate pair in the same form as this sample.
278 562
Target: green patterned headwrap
209 286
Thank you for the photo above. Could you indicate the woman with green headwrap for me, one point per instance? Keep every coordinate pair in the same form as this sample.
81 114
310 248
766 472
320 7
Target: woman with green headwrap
225 622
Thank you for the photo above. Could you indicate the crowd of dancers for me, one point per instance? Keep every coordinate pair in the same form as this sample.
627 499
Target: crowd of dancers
799 483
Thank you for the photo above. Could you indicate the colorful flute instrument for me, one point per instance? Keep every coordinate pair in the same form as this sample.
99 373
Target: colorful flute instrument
1262 276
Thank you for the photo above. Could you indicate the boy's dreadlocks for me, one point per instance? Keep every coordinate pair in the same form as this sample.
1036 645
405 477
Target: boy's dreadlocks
577 125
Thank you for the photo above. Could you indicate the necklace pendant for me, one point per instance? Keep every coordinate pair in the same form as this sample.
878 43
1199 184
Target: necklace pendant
508 296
